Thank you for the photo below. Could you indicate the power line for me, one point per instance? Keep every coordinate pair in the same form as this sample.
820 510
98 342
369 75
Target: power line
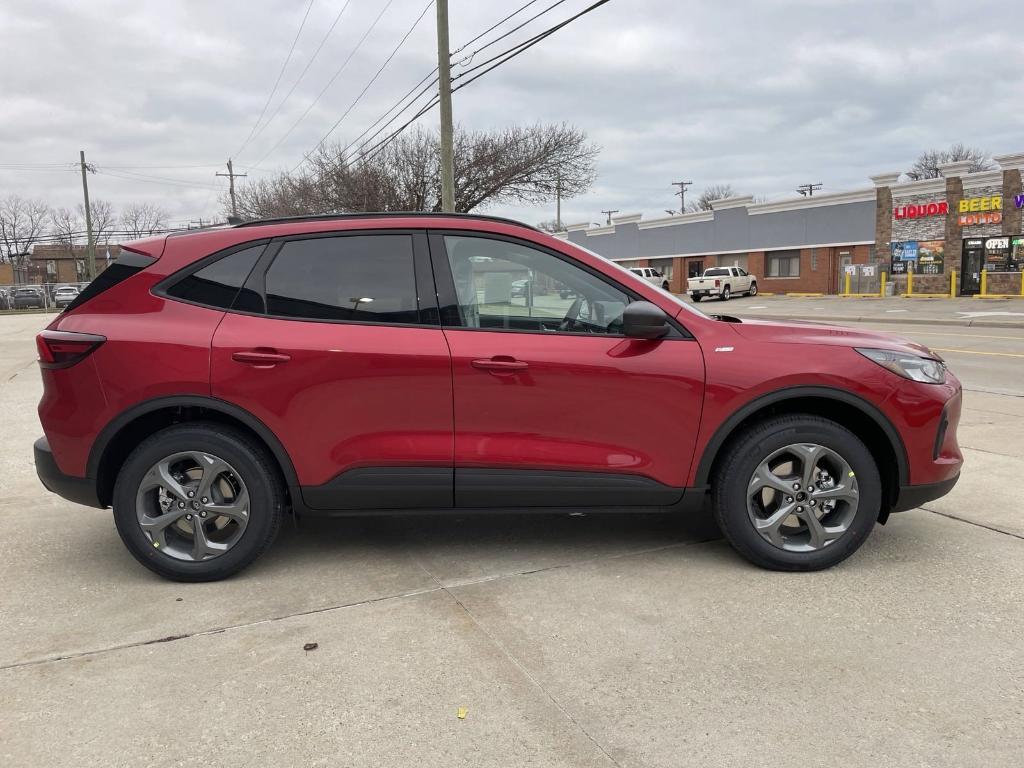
493 27
302 74
277 82
370 83
512 31
329 84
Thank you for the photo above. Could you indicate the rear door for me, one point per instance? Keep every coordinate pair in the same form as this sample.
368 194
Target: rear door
337 348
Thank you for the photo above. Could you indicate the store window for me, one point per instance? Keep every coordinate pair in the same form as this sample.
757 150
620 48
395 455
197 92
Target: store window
783 264
733 260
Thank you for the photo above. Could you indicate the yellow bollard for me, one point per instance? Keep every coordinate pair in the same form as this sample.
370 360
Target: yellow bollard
881 290
952 284
984 282
910 283
1022 283
846 289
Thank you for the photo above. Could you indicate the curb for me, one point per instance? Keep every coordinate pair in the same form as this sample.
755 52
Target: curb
833 320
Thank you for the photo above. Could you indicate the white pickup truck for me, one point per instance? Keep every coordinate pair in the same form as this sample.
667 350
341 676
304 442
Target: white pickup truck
722 282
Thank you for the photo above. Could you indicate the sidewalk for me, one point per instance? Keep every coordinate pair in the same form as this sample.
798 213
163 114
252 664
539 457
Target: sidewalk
962 311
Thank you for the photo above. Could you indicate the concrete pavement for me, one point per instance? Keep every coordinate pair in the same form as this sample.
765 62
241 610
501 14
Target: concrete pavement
575 641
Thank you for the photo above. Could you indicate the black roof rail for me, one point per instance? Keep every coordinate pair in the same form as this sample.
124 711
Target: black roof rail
381 215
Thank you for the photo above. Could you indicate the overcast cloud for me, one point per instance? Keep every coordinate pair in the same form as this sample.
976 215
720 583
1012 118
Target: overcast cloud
761 95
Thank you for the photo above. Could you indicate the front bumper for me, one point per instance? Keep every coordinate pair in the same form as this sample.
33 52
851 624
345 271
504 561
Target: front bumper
81 490
914 496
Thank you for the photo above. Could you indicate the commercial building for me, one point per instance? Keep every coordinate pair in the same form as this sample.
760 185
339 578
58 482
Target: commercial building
919 233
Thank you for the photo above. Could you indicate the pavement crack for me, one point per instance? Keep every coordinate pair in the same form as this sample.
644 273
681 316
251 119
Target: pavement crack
974 523
519 665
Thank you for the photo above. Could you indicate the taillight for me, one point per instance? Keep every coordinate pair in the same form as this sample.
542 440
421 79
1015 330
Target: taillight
718 283
62 349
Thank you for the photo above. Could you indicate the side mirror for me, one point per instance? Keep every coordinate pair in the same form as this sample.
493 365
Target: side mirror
643 320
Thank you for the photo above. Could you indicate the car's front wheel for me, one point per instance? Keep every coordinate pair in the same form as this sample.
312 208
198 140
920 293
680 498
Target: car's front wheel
797 493
753 289
198 502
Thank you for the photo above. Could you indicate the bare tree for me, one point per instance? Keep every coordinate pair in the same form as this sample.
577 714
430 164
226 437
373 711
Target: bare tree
22 221
66 227
524 165
103 219
140 219
548 225
709 195
927 165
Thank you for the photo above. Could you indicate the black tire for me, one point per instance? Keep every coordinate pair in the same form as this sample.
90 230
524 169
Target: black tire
742 457
665 285
696 297
251 461
753 289
726 293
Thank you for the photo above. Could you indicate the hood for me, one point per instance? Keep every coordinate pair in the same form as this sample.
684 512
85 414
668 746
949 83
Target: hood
809 332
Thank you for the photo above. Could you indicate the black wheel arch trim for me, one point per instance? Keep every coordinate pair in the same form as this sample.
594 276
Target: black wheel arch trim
126 417
728 427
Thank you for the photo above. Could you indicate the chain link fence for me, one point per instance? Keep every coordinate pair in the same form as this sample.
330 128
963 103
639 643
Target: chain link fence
38 296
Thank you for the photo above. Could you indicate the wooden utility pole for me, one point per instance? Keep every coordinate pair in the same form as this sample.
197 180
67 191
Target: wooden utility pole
558 202
609 214
682 193
444 87
90 245
231 175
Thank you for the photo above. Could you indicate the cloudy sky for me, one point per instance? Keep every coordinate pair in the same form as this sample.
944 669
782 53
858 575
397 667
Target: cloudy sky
761 95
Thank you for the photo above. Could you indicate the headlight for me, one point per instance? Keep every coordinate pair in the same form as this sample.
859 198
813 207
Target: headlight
924 369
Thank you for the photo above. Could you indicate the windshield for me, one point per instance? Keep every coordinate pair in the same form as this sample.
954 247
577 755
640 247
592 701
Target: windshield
675 299
716 272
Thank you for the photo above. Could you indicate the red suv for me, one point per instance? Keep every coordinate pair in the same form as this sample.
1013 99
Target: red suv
206 384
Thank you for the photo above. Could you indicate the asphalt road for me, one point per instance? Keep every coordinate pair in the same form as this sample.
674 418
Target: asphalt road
568 641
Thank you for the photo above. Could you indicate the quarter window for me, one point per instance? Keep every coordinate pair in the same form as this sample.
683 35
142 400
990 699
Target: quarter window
503 285
363 278
218 284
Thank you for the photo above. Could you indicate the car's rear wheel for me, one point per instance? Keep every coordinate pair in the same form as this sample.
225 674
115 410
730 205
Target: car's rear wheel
696 297
725 293
797 493
198 502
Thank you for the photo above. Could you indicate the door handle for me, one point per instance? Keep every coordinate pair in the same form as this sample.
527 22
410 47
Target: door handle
260 359
500 364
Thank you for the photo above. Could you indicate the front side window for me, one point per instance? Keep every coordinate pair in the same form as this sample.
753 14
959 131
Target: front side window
503 285
361 278
783 264
218 284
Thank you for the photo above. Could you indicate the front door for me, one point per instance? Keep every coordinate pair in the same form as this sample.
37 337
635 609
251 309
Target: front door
970 268
342 357
553 405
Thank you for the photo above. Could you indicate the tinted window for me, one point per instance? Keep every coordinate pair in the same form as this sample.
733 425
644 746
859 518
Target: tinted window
719 272
362 277
126 265
509 286
217 284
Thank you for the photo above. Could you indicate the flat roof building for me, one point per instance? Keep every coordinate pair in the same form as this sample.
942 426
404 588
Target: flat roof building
961 222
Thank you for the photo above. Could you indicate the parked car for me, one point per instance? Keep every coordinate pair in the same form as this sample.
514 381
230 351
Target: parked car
5 298
26 297
520 288
652 276
64 295
313 375
722 282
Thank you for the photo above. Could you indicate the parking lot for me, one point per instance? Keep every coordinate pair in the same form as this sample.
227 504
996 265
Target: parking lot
564 641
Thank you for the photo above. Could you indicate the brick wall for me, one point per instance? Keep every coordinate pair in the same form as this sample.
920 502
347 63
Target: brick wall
883 217
923 228
1013 217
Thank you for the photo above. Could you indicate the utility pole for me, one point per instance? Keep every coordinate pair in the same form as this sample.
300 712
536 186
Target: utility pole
683 186
90 246
609 215
807 190
231 175
558 202
444 88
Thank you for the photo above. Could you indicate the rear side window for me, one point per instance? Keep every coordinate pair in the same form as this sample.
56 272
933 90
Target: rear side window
126 265
365 278
217 284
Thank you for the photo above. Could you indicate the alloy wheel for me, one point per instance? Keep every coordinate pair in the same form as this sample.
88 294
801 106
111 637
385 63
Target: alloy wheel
192 506
802 497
